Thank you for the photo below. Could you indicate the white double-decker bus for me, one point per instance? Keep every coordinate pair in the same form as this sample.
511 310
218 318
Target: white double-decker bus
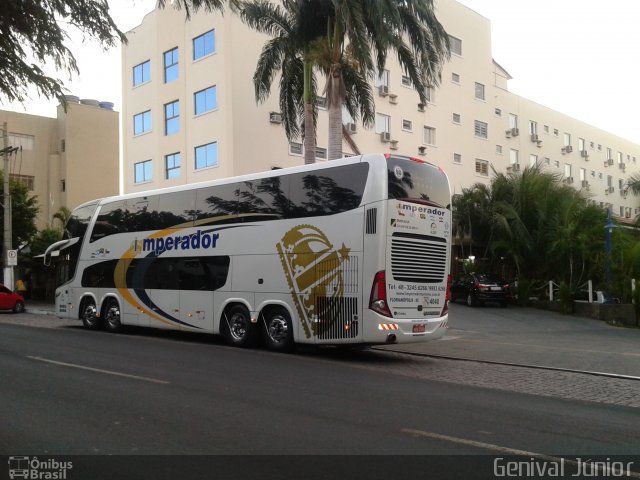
351 251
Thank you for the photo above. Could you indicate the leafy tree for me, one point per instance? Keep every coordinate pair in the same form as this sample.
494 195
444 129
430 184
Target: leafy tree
43 239
33 34
23 212
62 215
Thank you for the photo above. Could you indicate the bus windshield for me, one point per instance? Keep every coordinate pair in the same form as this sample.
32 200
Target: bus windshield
79 221
418 182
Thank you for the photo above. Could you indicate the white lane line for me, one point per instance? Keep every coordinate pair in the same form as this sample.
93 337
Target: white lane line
512 451
99 370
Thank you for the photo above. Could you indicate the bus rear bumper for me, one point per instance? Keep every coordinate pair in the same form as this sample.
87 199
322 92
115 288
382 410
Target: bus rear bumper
392 330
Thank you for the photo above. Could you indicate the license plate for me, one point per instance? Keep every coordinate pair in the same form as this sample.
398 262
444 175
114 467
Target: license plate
419 328
496 289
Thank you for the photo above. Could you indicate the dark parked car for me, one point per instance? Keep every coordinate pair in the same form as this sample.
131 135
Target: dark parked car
477 288
10 300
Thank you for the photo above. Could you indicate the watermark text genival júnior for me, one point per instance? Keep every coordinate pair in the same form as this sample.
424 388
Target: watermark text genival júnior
560 468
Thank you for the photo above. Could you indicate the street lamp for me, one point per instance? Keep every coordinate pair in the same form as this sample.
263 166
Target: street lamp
608 230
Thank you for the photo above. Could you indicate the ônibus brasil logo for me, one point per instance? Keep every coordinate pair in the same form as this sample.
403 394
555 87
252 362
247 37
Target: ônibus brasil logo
33 468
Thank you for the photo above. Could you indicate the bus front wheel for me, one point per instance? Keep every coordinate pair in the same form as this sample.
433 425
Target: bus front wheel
89 315
278 330
237 328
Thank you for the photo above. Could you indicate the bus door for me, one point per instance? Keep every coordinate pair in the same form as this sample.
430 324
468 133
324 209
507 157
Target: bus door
196 292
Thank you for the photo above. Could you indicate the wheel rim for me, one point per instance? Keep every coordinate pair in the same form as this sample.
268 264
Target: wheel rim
278 329
238 326
112 316
90 313
469 300
19 308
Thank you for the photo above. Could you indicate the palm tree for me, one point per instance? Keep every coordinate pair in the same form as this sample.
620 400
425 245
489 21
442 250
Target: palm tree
63 214
348 40
293 29
359 31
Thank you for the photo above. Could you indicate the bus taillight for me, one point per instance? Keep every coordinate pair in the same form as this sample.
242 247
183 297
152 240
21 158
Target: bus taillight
378 300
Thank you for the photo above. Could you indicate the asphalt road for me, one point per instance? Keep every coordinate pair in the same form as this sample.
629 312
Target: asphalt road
70 391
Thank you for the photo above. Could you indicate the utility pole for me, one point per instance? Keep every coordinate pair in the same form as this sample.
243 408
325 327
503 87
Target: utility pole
8 270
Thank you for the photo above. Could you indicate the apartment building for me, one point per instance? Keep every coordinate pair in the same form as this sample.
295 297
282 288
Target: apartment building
190 115
67 160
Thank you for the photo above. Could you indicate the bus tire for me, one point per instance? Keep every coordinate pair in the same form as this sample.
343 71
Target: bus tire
278 330
111 315
236 327
89 315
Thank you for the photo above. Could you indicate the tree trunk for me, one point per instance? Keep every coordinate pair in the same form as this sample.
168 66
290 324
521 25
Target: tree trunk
334 101
309 125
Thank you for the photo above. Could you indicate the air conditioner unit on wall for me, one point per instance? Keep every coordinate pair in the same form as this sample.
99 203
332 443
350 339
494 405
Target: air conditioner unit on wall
351 128
383 90
515 132
275 117
385 137
534 137
421 107
584 153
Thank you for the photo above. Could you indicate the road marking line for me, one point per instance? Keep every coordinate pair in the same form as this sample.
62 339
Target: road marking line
99 370
501 449
549 347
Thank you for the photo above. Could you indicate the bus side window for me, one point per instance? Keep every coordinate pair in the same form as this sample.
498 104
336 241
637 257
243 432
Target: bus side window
217 205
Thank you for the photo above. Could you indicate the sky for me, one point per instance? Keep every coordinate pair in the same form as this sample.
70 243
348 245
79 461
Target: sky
579 57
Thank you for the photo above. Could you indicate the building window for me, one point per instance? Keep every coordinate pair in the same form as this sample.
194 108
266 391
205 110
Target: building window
430 93
533 160
26 142
142 171
456 118
63 185
383 123
27 180
499 149
171 65
479 91
583 174
321 153
482 168
567 170
457 158
142 122
207 155
206 100
383 79
533 127
480 129
142 73
172 118
567 139
513 158
455 78
456 45
407 125
546 129
295 148
513 121
555 132
620 158
429 135
581 144
547 161
172 165
609 154
498 112
321 102
203 45
406 81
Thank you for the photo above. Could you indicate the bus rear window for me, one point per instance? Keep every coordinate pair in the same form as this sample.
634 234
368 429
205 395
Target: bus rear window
415 181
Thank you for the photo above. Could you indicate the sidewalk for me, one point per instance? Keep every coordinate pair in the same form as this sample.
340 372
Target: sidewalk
40 307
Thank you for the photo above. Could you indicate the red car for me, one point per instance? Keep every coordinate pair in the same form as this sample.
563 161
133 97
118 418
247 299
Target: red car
11 300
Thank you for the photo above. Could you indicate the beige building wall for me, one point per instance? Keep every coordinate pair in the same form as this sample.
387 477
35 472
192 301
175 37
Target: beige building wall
469 112
68 160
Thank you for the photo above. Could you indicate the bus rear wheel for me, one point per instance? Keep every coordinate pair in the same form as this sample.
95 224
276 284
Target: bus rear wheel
278 330
237 328
89 315
111 315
